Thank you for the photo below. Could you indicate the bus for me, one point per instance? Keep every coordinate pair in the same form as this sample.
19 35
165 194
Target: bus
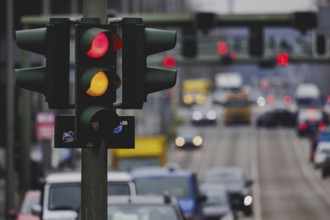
149 151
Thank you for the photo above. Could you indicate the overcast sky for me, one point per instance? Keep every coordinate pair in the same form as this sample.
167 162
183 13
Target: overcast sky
252 6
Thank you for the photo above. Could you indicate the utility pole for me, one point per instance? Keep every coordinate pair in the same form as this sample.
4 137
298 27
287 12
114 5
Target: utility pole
10 197
94 190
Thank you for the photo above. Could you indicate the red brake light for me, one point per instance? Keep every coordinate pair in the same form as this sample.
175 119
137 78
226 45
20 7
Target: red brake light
287 100
99 47
321 126
303 126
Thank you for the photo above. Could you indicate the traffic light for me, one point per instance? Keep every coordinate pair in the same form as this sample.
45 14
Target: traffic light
282 59
139 80
52 80
256 41
189 48
321 44
96 81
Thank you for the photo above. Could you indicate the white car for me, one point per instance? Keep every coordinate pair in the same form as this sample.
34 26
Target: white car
62 193
321 152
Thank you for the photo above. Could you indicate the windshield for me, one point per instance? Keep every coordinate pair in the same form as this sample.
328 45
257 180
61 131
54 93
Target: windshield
215 196
175 186
67 196
225 178
237 103
145 212
132 163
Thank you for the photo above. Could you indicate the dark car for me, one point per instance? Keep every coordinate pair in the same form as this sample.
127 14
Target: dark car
279 115
181 184
188 138
325 167
203 115
144 207
236 183
309 121
217 205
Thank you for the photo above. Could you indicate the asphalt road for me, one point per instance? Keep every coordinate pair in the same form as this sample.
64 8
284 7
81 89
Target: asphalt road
286 186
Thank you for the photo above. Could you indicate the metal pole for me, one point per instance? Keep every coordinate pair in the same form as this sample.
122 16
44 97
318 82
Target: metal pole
94 190
10 196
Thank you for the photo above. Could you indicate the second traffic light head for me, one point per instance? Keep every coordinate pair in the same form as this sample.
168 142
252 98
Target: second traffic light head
138 80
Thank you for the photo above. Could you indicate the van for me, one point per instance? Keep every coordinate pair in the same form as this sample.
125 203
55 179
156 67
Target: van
308 95
181 184
62 193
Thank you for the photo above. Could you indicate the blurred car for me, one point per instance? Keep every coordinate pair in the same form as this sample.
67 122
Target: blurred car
144 207
321 152
325 167
309 121
181 184
237 184
319 136
279 115
31 198
62 193
203 114
217 205
188 138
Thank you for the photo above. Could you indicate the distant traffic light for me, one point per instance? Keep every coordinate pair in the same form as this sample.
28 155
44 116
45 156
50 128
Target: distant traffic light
189 45
53 79
256 41
321 45
139 80
282 59
222 48
96 81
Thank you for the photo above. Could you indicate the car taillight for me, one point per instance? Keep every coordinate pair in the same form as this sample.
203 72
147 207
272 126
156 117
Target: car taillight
321 126
303 126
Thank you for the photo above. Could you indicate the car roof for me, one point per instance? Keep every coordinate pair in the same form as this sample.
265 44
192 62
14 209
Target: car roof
67 177
323 145
160 172
141 199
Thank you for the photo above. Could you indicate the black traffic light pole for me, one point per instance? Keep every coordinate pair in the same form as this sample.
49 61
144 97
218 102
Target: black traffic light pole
94 160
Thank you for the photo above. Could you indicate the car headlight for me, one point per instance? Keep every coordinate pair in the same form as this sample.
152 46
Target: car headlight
248 200
188 99
179 141
198 141
211 115
197 116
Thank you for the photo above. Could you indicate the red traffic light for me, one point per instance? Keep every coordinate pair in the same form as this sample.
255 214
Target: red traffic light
99 46
222 48
169 62
282 59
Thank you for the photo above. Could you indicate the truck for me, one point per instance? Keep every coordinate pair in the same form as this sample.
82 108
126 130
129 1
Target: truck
225 83
149 151
195 91
237 108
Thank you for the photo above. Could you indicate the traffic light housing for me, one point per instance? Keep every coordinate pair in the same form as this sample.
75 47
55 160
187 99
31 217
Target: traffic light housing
139 80
96 81
189 47
321 44
52 80
256 41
